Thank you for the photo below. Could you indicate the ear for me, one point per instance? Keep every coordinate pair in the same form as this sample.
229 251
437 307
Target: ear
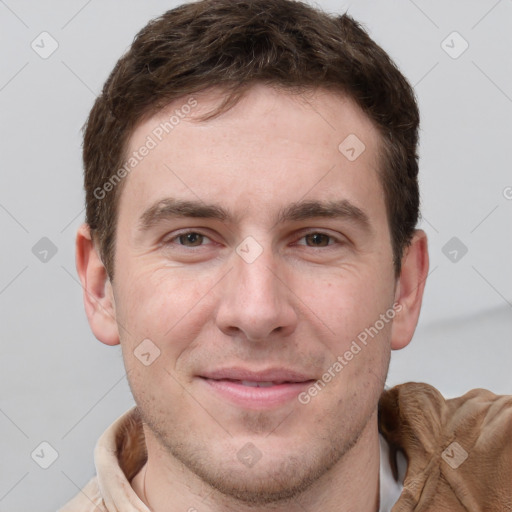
409 290
97 289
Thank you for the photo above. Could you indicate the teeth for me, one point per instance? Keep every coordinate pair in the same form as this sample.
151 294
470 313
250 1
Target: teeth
257 384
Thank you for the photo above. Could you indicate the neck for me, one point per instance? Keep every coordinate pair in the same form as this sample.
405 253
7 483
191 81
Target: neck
351 484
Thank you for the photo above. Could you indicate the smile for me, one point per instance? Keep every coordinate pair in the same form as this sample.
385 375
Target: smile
255 394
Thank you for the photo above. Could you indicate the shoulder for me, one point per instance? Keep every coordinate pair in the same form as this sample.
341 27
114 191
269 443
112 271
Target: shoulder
459 450
87 500
420 407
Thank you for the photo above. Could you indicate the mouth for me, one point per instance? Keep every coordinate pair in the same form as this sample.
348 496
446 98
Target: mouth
256 390
260 384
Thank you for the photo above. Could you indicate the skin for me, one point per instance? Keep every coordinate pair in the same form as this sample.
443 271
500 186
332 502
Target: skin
299 304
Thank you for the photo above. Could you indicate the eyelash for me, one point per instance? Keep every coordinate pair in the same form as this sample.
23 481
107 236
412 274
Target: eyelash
332 239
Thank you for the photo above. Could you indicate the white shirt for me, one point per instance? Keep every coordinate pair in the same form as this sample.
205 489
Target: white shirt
389 488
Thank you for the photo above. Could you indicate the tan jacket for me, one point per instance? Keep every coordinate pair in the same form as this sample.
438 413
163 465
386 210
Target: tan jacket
459 454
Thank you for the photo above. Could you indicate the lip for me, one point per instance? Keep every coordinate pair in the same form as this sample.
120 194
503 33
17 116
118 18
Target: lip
227 384
269 374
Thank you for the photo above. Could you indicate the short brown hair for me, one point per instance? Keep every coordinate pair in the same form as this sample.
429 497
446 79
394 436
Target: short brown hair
233 44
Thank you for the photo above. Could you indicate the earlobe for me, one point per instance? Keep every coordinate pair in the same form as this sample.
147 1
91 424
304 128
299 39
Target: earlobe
97 289
409 290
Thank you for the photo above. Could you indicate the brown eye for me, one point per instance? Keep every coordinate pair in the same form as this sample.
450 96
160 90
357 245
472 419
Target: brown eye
191 239
317 240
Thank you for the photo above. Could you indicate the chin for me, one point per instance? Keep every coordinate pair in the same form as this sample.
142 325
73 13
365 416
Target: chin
273 481
263 471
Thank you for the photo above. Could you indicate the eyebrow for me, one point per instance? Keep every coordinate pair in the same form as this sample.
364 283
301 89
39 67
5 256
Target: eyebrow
169 208
331 209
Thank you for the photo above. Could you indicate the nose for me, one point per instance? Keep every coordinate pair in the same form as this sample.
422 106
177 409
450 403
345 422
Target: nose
256 302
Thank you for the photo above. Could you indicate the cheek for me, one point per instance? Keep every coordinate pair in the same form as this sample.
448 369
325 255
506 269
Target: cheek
162 316
167 306
347 301
354 376
347 308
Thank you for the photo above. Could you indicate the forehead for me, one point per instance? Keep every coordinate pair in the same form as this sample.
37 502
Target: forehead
271 147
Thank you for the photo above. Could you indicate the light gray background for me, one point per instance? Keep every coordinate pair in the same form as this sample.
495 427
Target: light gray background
61 386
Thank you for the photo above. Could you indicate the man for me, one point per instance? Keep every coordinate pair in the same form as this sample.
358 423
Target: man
252 198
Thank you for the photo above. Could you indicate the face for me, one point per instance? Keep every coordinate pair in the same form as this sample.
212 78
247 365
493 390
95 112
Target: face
251 255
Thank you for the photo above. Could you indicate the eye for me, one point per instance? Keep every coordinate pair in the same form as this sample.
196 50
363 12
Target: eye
317 240
190 239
